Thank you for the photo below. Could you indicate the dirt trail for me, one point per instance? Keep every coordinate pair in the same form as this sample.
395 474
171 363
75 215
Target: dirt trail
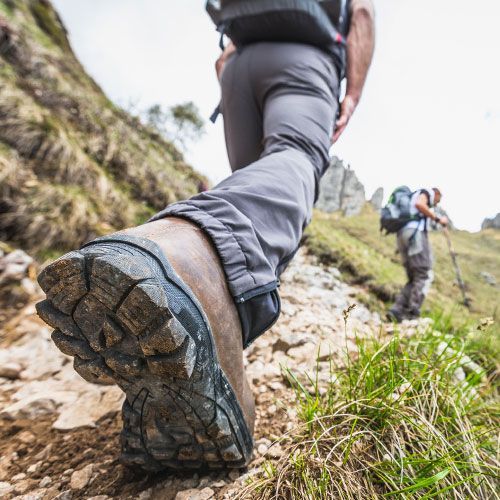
59 435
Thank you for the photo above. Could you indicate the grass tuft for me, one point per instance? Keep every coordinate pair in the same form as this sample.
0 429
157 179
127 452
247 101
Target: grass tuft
409 417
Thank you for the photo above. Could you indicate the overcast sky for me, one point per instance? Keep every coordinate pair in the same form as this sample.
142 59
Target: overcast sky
430 114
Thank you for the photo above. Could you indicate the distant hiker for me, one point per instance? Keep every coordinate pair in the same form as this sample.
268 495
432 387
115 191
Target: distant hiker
165 309
414 247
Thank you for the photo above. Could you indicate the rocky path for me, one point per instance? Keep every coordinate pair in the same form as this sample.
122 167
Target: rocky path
59 436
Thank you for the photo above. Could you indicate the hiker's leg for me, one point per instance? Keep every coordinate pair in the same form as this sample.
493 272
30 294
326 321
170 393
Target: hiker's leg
400 307
421 265
401 304
242 116
257 215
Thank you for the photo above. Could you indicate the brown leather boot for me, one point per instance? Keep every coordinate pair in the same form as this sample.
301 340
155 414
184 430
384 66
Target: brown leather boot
149 309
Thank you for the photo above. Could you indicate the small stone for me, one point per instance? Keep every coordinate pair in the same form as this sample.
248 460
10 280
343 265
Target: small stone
68 472
5 489
99 497
287 341
204 481
194 494
265 441
44 483
275 451
42 455
19 477
34 467
52 492
11 370
306 353
218 484
146 494
276 386
22 486
26 437
65 495
81 478
261 449
40 494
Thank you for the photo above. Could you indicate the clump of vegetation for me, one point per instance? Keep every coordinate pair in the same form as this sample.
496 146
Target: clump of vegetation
49 22
72 164
409 417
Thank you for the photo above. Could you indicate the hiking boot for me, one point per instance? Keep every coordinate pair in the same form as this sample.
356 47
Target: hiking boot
149 309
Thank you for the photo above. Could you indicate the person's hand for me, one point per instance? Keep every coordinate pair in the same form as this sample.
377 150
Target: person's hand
444 221
346 110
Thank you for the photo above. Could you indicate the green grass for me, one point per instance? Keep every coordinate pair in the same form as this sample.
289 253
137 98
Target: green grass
409 417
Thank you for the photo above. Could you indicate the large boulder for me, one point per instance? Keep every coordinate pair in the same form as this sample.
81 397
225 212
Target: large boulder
493 223
340 189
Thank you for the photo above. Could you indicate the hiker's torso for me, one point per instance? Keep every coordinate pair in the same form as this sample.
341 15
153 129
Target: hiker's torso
419 224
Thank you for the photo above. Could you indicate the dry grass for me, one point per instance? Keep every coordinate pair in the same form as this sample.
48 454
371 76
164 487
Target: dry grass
72 165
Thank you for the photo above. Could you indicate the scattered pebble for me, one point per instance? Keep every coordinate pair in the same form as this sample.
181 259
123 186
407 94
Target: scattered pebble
5 488
45 482
81 478
195 494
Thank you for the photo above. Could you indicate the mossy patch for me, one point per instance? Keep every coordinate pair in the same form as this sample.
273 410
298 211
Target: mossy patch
48 21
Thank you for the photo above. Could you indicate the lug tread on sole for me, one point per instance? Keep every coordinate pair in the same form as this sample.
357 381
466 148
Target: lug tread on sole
109 313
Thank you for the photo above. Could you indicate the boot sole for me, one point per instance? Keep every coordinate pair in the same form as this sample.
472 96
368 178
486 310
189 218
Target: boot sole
121 311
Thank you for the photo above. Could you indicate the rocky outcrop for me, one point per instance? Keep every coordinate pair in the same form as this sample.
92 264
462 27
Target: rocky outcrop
72 165
493 223
341 190
377 198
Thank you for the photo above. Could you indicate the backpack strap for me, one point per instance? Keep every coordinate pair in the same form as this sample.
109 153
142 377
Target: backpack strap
215 114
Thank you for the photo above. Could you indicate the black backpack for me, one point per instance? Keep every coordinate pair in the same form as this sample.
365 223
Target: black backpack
322 23
396 214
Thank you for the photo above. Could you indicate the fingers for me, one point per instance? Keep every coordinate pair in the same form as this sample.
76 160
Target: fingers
346 110
338 131
341 125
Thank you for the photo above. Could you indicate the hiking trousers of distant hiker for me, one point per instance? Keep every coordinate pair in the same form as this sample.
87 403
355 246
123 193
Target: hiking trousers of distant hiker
416 253
279 102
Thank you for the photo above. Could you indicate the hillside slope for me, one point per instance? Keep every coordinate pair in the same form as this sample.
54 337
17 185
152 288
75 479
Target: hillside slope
72 165
366 257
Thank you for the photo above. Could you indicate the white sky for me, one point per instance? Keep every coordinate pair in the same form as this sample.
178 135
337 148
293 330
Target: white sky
430 114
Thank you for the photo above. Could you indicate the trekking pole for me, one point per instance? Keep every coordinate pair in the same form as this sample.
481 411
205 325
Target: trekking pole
461 284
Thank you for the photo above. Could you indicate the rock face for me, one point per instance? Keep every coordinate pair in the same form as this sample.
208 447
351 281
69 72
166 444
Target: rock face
377 198
341 190
493 223
72 164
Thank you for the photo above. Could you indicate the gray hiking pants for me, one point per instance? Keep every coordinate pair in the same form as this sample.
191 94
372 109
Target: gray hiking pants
279 102
417 259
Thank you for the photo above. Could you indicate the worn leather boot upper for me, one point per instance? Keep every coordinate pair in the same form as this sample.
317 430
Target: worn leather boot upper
194 258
